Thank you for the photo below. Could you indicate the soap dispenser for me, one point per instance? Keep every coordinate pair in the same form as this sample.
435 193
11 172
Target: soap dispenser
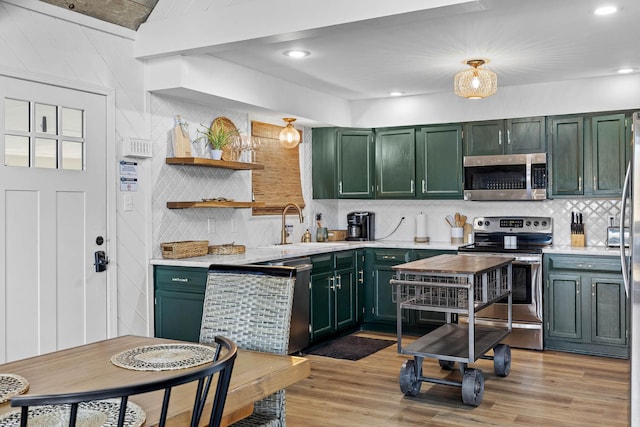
306 237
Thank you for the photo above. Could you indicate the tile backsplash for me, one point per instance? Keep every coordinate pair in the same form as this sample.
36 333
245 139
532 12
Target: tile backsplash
175 183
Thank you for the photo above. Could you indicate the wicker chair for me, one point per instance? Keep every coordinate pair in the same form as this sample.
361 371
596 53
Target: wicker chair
252 305
222 367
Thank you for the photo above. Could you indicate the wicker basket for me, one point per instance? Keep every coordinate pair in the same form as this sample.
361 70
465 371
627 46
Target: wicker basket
186 249
335 235
227 249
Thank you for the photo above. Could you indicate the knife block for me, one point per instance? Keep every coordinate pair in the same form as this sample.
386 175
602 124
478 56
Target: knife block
577 240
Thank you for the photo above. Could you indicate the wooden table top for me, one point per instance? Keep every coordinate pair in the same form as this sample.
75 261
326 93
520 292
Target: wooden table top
88 367
454 264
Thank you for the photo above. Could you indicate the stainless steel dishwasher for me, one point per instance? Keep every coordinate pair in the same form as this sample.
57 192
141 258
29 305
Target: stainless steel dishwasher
299 335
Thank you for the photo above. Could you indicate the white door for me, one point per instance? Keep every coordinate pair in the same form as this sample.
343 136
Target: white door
52 212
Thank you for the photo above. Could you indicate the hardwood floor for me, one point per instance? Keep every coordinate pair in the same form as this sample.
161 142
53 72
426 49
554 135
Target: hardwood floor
543 389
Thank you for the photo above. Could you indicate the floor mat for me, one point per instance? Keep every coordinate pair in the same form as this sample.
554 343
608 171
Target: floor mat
351 347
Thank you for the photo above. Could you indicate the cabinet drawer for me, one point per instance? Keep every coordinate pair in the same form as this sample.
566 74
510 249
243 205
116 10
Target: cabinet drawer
606 264
344 260
184 277
321 263
391 257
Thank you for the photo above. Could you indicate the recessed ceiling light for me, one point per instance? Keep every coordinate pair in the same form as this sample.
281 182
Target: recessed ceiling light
625 70
606 10
396 93
296 53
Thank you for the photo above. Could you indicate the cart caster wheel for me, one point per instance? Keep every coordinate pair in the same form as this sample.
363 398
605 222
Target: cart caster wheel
409 383
446 364
472 387
502 360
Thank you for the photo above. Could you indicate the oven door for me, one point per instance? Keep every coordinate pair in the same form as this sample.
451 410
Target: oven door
526 285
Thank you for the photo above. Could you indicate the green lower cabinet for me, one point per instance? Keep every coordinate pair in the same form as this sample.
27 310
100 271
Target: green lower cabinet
585 305
333 288
381 310
179 296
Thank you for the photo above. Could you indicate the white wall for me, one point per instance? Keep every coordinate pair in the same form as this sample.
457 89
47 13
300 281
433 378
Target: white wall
39 39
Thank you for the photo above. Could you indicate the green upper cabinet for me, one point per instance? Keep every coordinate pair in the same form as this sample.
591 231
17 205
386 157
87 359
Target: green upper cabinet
355 163
342 163
567 159
512 136
439 162
395 163
608 136
323 170
588 155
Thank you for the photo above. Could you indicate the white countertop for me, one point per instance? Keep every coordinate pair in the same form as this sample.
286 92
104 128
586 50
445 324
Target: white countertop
278 252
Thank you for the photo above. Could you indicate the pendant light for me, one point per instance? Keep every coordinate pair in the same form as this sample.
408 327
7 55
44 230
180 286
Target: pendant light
289 136
475 83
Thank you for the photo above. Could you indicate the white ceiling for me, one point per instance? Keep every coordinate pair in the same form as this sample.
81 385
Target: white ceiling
524 42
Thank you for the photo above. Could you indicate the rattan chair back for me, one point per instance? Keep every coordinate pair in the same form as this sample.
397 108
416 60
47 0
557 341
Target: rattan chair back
252 305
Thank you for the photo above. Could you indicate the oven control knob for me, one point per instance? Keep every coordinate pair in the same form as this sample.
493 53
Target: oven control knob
480 223
487 223
544 223
528 223
536 223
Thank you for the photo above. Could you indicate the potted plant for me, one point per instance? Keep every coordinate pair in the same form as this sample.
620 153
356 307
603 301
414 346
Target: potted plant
217 138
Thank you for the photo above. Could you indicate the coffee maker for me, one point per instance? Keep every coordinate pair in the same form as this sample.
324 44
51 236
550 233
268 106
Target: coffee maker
360 226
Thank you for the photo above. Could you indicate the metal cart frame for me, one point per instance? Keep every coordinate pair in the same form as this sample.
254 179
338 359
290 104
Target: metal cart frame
454 293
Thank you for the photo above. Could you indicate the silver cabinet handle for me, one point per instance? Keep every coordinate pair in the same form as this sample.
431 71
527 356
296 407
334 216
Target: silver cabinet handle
340 187
508 136
179 279
361 276
579 183
412 186
499 137
339 282
424 186
332 283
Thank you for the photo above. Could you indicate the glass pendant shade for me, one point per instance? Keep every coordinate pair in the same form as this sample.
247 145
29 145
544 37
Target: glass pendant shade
289 136
475 83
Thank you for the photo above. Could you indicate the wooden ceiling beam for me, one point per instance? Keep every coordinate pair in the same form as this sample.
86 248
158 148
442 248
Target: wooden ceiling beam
125 13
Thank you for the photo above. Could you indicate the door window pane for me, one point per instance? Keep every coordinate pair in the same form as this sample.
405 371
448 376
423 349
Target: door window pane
71 155
45 153
46 119
72 122
16 115
16 150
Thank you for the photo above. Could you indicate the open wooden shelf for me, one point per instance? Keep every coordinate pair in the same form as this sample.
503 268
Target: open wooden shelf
198 161
213 204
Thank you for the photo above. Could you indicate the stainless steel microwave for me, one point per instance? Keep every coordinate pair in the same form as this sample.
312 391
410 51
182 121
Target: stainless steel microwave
506 177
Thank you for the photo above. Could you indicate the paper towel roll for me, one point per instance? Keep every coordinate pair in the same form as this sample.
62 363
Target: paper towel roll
421 225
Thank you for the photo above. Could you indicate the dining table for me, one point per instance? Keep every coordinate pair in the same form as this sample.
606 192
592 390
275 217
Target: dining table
89 367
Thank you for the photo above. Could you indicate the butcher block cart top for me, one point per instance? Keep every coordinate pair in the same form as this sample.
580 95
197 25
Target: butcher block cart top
454 284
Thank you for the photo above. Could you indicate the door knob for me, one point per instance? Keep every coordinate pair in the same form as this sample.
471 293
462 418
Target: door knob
101 261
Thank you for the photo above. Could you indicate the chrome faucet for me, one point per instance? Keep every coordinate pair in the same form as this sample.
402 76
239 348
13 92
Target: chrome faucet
284 234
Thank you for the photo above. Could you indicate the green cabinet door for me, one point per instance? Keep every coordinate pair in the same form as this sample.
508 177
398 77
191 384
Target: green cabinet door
609 161
511 136
379 304
439 162
484 138
355 156
323 162
179 297
322 296
608 310
567 157
564 306
395 163
526 135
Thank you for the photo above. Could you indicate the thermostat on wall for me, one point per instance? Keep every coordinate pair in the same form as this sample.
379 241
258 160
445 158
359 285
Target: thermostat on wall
136 147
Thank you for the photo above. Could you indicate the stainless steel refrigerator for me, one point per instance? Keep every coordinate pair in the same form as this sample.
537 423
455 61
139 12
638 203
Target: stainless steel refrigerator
630 213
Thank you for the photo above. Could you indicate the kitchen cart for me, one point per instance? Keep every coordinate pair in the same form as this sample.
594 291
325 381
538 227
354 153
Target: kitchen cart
455 285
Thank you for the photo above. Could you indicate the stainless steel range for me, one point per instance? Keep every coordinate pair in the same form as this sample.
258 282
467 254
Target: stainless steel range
523 239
